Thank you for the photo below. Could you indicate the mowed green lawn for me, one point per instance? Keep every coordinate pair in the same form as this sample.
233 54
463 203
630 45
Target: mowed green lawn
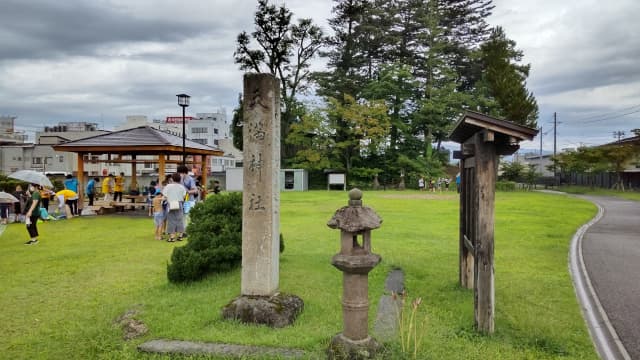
59 299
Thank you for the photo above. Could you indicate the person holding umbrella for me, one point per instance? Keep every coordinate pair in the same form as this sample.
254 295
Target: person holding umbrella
36 180
33 213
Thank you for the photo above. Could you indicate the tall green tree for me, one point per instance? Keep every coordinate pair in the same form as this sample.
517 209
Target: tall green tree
442 100
313 136
366 125
505 80
465 28
284 49
346 59
396 86
237 124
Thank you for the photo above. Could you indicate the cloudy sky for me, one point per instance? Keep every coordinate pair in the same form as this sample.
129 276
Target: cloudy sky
100 60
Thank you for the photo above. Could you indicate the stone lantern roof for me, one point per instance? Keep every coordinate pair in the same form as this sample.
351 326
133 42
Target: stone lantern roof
355 218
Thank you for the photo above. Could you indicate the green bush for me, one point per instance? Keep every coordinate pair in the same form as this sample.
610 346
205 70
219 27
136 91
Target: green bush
505 185
215 239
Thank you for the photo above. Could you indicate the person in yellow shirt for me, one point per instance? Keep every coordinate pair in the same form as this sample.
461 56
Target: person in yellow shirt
107 187
62 196
119 187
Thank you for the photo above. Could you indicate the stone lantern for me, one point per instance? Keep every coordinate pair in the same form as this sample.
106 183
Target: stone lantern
355 260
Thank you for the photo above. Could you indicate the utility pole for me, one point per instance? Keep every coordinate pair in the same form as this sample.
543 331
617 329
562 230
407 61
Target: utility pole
555 125
540 161
618 134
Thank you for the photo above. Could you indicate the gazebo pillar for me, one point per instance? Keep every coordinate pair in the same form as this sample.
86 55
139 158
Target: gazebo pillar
134 179
203 170
161 168
80 181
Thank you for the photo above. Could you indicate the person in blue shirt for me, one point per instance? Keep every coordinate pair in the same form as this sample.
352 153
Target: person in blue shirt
91 189
71 183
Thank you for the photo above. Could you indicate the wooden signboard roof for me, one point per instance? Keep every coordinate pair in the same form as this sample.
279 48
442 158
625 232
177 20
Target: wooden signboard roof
143 140
472 122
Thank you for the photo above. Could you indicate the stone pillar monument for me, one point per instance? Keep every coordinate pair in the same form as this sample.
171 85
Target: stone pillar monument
355 260
261 193
260 301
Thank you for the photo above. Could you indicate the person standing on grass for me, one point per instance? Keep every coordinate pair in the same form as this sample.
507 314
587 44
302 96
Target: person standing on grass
91 190
32 214
4 211
107 188
19 207
158 215
45 196
421 183
192 191
72 184
63 197
175 193
118 187
188 182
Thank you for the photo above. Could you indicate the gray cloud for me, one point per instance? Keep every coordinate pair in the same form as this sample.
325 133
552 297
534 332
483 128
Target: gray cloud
100 60
41 29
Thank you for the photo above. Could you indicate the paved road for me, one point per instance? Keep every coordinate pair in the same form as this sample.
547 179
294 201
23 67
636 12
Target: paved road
611 253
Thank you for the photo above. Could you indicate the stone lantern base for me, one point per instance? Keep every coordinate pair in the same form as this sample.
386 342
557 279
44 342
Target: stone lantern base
342 348
276 311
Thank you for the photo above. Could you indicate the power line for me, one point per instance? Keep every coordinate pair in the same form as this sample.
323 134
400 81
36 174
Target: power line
611 113
613 117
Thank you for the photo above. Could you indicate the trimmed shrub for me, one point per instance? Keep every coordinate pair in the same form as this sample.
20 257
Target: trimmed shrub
505 186
215 239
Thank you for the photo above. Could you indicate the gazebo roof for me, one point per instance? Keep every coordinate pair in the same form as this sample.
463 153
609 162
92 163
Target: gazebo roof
143 140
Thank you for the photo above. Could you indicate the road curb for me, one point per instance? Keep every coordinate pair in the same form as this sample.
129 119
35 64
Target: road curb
602 333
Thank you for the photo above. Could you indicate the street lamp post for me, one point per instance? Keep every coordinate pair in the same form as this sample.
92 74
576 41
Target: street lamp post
183 101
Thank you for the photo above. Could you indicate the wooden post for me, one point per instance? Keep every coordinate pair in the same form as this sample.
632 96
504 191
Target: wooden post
479 157
466 256
80 181
205 170
134 179
486 167
161 168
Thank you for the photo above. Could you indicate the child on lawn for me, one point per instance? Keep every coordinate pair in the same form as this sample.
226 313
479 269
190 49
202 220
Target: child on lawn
158 215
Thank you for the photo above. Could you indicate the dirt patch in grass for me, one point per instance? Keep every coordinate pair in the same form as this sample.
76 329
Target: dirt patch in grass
431 196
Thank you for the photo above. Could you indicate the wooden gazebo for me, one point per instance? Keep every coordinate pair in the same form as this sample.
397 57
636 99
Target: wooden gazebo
125 146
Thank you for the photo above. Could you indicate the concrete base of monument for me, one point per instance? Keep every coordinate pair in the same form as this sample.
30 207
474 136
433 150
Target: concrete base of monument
276 311
342 348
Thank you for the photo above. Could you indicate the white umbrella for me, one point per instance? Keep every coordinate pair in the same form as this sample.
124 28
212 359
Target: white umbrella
32 177
5 197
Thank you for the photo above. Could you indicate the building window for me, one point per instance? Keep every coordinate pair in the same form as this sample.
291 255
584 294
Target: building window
215 141
37 161
200 141
60 158
199 130
215 131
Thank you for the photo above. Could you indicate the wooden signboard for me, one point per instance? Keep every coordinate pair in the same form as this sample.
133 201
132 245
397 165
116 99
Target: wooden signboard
483 139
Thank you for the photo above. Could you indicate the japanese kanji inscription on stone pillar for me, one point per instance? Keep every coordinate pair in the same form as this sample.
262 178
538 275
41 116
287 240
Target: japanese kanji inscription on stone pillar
261 192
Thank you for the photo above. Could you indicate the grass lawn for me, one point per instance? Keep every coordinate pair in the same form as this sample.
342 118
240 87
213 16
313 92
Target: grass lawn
585 190
60 298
